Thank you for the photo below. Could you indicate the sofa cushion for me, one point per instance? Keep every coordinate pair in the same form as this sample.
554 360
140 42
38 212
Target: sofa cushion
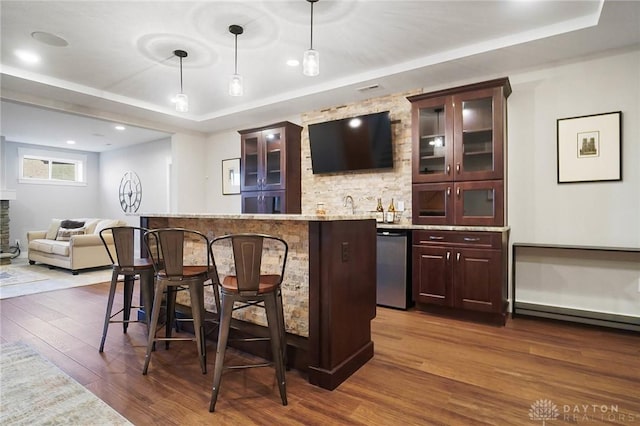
50 246
71 224
90 226
106 223
52 232
65 234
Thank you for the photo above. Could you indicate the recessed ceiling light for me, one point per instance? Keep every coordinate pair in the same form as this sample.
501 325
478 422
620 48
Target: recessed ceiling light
293 62
120 127
28 57
70 142
50 39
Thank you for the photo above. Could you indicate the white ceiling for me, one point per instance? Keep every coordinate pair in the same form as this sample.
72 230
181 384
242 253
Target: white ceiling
119 63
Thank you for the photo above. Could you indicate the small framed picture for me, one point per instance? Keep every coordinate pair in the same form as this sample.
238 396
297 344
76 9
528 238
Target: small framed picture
590 148
231 176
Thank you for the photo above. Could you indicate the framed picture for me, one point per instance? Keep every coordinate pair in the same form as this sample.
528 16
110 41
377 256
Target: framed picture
590 148
231 176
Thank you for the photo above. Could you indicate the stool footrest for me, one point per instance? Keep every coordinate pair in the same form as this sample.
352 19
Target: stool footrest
238 367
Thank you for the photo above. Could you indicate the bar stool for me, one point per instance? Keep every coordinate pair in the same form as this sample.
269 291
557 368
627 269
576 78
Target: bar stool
181 260
127 264
252 285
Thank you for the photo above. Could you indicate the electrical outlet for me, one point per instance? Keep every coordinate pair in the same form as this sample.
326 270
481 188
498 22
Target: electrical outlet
345 252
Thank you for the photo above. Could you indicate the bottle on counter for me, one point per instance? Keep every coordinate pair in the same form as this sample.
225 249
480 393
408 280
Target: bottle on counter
379 212
391 213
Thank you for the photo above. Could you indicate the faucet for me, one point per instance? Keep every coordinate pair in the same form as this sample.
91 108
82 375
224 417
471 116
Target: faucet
346 200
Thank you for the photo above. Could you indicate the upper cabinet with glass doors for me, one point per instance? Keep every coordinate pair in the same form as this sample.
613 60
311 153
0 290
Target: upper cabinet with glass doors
458 168
270 164
458 134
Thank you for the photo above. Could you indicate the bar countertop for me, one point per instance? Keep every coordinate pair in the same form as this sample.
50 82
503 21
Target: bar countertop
270 217
328 218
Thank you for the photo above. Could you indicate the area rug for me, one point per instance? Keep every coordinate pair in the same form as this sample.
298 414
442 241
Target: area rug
20 278
15 274
36 392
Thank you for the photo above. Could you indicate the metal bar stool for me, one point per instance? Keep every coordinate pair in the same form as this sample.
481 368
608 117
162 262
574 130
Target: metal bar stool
181 260
255 282
126 263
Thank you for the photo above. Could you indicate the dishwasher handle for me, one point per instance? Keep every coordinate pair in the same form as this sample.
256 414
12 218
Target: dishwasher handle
391 234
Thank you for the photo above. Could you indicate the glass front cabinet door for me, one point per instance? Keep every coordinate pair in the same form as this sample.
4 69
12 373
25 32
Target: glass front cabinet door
250 162
433 132
478 137
273 159
262 165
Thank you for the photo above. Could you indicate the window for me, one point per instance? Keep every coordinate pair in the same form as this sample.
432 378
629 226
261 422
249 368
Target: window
40 166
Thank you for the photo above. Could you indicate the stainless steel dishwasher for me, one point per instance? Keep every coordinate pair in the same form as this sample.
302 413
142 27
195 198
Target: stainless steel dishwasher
393 269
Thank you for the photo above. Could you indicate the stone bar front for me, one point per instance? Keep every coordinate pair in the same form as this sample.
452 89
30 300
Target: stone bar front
329 288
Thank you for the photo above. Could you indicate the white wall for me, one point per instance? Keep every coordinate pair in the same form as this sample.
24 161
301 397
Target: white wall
188 173
540 209
150 161
221 146
36 204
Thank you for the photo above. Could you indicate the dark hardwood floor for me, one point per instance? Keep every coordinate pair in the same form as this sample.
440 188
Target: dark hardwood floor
426 370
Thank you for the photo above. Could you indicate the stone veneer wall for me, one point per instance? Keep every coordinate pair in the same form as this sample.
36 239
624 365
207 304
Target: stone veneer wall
364 186
4 225
295 287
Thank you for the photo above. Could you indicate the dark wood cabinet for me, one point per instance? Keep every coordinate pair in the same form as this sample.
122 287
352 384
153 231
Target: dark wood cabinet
458 171
270 169
271 202
460 270
459 136
459 203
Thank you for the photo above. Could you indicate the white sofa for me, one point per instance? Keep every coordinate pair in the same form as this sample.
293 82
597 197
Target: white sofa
76 248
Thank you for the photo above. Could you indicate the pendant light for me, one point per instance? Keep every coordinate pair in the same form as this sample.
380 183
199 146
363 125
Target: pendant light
235 84
311 58
182 101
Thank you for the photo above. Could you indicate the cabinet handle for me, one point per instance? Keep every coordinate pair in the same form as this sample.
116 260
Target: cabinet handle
458 192
448 191
458 167
471 240
458 257
448 255
432 237
448 168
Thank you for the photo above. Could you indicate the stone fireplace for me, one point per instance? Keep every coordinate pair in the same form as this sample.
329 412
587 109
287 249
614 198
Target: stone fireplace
5 242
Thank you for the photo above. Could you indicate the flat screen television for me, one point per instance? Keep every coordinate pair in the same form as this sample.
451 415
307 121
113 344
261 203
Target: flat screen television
356 143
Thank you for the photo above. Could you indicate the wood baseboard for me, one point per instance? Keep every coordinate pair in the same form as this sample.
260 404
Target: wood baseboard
331 379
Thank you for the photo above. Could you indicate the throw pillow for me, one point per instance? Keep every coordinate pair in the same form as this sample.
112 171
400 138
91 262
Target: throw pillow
52 232
65 234
71 224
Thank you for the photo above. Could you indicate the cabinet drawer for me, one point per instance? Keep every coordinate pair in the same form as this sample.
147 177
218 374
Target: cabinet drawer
475 239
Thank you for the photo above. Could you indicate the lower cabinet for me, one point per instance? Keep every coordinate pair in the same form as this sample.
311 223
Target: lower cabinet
463 271
271 202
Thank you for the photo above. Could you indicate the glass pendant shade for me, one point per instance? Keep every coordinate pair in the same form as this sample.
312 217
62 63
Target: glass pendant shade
182 102
311 63
235 85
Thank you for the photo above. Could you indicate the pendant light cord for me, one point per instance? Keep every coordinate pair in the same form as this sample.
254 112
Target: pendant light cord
236 56
311 47
181 90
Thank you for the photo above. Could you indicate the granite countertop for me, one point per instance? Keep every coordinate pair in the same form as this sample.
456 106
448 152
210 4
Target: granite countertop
411 227
328 218
272 217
